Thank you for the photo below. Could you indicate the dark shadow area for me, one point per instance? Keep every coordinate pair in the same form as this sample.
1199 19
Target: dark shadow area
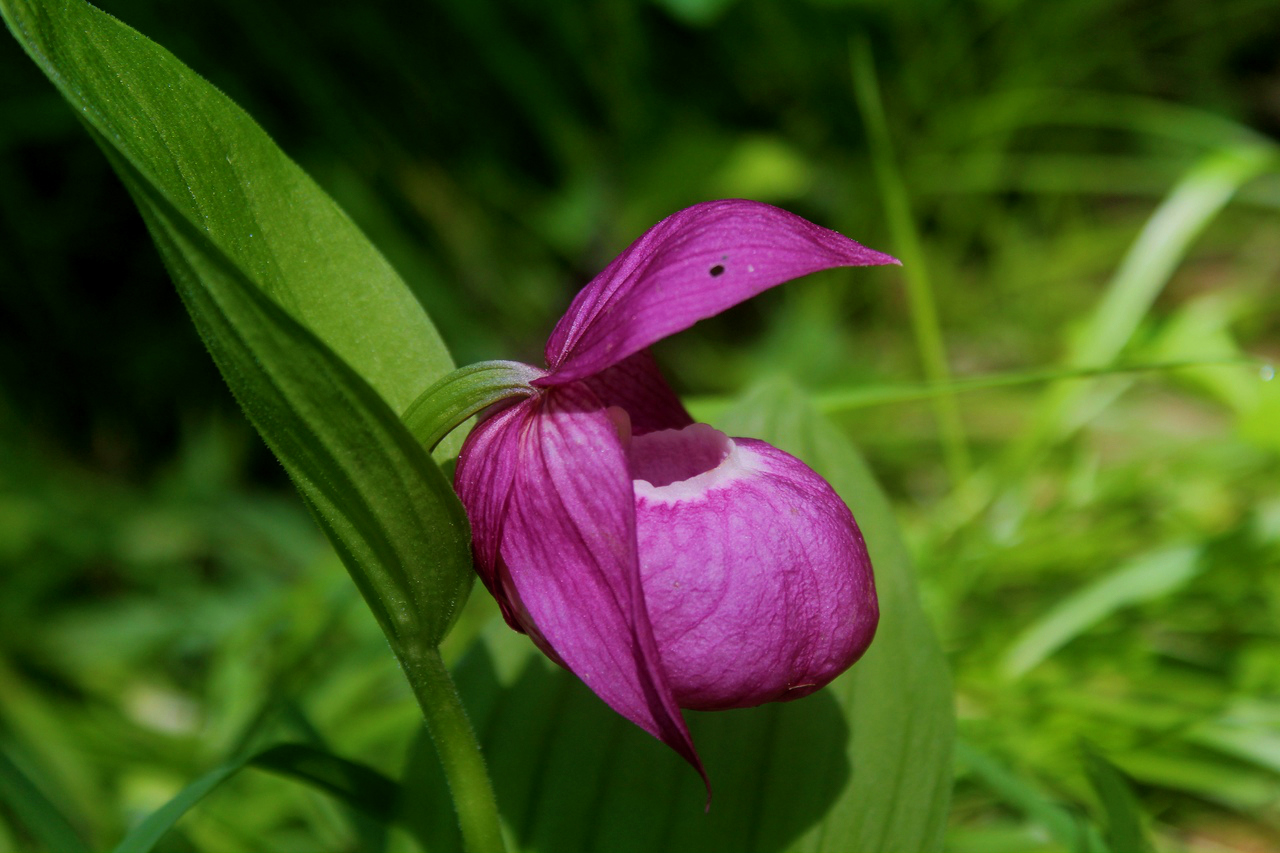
573 775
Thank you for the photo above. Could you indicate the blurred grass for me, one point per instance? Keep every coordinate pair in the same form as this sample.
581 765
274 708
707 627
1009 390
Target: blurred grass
167 603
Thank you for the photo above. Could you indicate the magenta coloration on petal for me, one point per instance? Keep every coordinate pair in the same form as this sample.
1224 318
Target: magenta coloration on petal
758 584
569 543
690 266
662 562
637 386
483 479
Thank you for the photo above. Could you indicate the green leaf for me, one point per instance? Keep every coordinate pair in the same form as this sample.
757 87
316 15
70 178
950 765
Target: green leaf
221 172
908 244
1202 193
388 509
357 785
897 699
1142 579
864 764
1230 783
837 400
1249 731
1165 239
1124 818
318 339
1070 830
41 817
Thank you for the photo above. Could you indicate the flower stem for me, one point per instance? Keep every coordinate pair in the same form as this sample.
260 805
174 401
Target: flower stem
459 751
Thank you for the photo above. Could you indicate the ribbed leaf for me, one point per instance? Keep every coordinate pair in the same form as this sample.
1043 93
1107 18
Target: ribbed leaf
383 502
864 764
320 341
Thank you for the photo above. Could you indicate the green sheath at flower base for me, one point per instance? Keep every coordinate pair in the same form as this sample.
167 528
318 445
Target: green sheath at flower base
464 393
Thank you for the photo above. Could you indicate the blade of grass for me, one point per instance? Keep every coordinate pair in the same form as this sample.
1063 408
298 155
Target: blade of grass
1162 244
357 785
1025 796
907 246
1249 732
836 401
33 730
1124 818
370 831
37 812
1012 110
1145 578
1233 784
1147 267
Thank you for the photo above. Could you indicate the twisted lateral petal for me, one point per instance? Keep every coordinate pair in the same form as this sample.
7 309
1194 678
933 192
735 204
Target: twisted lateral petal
691 265
569 544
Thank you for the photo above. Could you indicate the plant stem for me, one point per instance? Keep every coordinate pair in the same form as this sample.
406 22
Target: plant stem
924 312
459 751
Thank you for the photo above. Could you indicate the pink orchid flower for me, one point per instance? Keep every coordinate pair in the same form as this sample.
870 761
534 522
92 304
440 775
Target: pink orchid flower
665 564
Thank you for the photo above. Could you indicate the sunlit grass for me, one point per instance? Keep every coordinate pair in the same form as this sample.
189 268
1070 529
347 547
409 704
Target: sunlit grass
1097 223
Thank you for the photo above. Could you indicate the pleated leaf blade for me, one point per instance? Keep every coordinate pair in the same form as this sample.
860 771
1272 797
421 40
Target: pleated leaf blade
317 337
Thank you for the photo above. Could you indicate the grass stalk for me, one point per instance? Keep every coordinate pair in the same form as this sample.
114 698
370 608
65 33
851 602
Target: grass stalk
907 246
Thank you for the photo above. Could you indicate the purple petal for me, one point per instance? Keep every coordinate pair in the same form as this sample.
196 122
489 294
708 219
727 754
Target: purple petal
691 265
483 479
758 584
570 546
636 385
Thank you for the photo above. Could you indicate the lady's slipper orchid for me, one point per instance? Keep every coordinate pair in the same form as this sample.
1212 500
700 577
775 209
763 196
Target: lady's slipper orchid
667 565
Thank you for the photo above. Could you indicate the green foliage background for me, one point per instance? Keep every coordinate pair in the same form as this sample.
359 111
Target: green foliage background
1085 183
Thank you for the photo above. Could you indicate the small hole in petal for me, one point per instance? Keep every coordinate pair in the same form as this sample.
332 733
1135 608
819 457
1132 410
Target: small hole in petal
718 269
